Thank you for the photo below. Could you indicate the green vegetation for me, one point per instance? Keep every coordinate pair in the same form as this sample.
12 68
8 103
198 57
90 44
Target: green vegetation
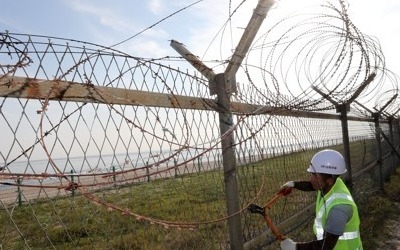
377 213
76 222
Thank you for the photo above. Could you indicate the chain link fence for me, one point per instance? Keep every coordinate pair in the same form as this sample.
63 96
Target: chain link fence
104 150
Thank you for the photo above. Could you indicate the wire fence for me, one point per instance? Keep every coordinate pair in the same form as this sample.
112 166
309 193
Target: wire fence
104 150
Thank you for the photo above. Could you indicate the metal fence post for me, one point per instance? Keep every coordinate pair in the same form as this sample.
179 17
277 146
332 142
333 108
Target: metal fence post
223 85
398 130
19 181
391 136
229 164
147 171
378 149
343 108
199 164
397 142
346 142
175 167
72 181
114 177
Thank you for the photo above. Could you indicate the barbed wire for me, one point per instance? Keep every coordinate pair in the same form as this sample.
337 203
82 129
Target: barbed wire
324 50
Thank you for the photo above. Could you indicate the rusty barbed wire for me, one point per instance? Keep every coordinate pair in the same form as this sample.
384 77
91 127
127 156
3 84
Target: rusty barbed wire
55 90
331 55
22 60
323 49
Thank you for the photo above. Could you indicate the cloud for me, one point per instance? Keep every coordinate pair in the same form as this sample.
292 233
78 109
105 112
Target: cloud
106 16
155 6
214 36
148 48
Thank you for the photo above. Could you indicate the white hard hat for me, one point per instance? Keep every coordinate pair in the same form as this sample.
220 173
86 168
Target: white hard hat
327 161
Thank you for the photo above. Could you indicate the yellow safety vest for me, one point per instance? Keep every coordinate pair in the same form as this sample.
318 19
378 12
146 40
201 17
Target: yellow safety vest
339 194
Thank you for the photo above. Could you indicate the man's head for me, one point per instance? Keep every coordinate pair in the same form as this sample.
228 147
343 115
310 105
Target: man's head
325 167
327 161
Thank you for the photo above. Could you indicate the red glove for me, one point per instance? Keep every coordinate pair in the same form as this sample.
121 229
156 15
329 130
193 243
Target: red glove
286 188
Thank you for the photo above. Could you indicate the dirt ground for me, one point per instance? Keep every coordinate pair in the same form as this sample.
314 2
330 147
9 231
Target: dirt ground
381 218
391 228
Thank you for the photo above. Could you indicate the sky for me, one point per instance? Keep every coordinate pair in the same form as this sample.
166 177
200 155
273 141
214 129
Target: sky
201 25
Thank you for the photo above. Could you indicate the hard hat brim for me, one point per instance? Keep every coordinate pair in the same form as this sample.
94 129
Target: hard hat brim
312 170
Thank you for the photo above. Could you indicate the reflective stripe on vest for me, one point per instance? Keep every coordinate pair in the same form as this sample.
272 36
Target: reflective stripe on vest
350 235
318 220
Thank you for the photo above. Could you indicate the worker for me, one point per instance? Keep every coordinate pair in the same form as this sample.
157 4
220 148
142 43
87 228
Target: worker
336 223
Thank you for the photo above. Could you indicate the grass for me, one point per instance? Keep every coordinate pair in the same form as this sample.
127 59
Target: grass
78 223
380 209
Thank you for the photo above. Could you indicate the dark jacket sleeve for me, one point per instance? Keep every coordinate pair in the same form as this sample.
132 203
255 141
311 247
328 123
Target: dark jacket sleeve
303 186
328 243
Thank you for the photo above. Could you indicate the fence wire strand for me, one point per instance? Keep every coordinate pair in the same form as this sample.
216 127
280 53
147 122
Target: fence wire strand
134 142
